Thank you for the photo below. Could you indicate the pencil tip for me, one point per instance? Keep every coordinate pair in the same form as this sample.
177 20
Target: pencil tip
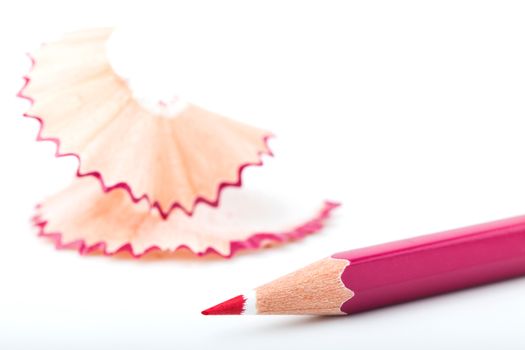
233 306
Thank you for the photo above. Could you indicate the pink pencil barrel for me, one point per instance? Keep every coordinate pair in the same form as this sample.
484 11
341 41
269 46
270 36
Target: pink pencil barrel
428 265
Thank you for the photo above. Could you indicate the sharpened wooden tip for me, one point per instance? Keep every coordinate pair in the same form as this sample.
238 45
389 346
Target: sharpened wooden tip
233 306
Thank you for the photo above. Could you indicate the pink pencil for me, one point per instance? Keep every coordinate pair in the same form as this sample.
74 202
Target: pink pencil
391 273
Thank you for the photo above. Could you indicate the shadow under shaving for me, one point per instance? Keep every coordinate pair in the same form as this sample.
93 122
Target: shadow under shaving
181 254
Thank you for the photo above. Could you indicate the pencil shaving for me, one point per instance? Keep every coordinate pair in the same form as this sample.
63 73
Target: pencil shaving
174 154
84 218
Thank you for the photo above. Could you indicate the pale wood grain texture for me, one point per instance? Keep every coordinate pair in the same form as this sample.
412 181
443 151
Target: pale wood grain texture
316 289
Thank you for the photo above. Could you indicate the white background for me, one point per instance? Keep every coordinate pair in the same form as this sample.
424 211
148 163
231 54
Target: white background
411 113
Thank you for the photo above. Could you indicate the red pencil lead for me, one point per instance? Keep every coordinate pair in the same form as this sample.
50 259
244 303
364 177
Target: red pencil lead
233 306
